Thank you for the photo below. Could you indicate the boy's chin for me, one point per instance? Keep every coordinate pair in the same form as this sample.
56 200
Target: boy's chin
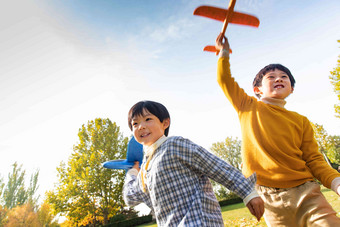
144 143
139 141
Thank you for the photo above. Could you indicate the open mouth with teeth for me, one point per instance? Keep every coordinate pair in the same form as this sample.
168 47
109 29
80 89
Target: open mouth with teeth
279 86
144 135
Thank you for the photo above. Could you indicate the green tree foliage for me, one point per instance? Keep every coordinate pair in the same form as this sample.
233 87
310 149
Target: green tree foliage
3 215
334 149
2 185
329 145
335 81
321 137
86 192
14 193
32 190
230 151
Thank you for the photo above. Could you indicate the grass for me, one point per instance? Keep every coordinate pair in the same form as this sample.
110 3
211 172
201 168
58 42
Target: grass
237 215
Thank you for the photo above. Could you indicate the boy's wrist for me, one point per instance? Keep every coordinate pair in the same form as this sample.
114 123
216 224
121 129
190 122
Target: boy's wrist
250 196
224 53
335 185
132 171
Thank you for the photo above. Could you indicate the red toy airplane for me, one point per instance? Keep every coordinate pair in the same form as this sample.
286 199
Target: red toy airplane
226 16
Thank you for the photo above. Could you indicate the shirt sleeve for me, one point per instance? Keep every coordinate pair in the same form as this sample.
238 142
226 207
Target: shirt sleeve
203 162
251 196
335 184
314 159
234 93
132 193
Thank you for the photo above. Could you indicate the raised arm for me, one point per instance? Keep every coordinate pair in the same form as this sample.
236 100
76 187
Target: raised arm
222 44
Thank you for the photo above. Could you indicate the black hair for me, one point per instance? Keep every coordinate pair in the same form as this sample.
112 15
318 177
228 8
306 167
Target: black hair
259 76
155 108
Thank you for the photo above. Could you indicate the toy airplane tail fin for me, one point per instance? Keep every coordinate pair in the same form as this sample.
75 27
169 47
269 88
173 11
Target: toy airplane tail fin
213 49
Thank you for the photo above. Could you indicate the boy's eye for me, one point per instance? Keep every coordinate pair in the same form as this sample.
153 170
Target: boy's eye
148 119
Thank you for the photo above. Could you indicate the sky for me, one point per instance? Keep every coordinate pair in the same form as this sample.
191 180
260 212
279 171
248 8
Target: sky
64 63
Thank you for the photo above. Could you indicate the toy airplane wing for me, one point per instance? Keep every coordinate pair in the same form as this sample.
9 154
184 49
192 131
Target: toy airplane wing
118 164
134 153
220 15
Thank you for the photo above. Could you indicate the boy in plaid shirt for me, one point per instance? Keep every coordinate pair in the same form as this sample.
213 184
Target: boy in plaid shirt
174 177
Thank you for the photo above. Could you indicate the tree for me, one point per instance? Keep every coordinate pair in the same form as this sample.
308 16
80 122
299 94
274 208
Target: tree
229 151
328 145
3 215
335 81
2 185
3 210
334 150
321 137
86 192
23 216
15 192
46 216
32 189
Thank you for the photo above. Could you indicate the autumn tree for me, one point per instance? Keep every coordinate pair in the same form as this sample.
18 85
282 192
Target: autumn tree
46 216
23 216
230 151
86 192
335 81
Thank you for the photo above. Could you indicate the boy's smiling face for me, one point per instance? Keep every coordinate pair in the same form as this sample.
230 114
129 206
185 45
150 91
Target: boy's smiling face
147 128
275 84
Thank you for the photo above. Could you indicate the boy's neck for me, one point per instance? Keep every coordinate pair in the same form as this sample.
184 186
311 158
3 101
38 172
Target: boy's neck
274 101
150 149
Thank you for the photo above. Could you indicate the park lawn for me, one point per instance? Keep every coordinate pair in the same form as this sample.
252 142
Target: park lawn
237 215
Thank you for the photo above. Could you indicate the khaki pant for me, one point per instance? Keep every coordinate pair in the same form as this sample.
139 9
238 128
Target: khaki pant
300 206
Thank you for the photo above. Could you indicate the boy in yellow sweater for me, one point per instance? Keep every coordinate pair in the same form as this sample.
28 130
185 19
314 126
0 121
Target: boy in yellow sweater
279 145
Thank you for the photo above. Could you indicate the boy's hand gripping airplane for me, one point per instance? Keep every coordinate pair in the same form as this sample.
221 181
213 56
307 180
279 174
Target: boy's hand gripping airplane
226 16
134 153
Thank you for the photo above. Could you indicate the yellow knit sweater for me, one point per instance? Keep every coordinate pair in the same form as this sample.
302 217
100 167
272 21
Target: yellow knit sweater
277 144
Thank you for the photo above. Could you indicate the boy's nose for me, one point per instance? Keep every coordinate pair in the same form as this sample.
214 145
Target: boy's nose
141 125
279 79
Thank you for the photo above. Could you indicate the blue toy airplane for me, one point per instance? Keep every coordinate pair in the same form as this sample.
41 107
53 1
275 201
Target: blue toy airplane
134 153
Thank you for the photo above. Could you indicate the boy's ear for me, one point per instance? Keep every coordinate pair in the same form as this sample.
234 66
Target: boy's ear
166 123
257 91
292 90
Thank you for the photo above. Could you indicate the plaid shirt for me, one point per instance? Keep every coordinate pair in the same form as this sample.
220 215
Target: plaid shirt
178 189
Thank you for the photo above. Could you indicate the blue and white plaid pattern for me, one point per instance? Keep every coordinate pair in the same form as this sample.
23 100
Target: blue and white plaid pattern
178 188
